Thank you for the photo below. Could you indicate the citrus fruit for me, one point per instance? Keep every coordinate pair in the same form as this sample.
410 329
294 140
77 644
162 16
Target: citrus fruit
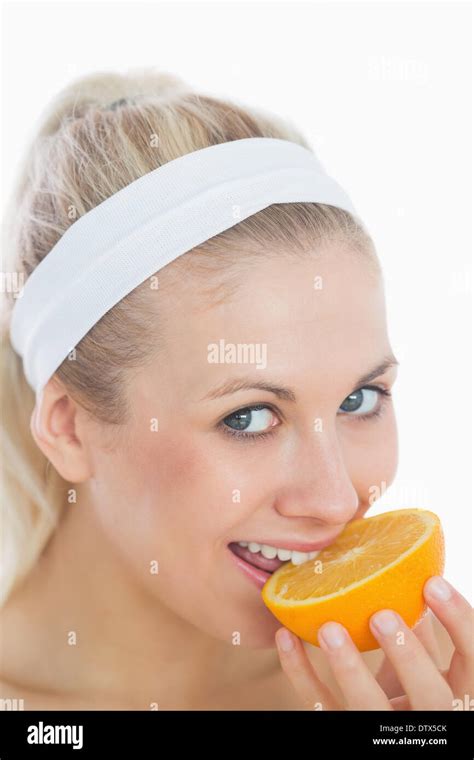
375 563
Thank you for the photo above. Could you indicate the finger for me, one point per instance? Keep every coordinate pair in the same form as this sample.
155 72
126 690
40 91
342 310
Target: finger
358 685
457 616
388 679
301 674
424 686
400 703
425 632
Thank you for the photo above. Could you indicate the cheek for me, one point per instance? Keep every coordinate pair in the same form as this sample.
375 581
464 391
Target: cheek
214 483
188 486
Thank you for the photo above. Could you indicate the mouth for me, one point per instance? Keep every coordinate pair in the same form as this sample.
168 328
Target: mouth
259 561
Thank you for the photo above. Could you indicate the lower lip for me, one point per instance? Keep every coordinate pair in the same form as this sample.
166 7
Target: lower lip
257 576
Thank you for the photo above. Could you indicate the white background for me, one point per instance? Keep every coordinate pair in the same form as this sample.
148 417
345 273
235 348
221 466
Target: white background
383 92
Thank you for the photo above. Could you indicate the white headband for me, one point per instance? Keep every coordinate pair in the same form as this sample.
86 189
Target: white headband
124 240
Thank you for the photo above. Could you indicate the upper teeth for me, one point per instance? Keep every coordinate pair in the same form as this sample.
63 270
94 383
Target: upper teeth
270 552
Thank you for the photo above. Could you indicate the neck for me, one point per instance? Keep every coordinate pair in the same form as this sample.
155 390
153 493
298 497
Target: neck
83 627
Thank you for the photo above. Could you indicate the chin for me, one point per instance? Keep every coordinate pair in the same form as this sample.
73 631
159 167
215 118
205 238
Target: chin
264 639
260 632
250 626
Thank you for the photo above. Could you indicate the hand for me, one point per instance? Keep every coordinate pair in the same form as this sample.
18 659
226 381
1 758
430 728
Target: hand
425 686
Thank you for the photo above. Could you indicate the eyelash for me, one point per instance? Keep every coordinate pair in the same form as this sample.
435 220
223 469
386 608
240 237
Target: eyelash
384 393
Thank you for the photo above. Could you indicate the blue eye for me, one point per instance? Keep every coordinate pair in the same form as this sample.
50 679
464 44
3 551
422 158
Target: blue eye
253 420
364 403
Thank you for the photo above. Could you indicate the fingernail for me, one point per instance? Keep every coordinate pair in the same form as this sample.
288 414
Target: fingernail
333 635
386 622
285 640
439 589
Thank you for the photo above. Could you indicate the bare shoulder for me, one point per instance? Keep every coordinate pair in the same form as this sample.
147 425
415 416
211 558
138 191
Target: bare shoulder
13 697
10 697
16 697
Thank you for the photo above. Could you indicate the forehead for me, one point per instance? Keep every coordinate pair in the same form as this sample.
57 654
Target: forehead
320 315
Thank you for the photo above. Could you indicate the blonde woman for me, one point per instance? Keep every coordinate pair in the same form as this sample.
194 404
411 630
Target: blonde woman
136 470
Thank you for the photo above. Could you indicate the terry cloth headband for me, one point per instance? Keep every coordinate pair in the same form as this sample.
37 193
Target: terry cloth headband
124 240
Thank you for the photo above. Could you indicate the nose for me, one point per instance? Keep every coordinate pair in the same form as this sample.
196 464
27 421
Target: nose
316 483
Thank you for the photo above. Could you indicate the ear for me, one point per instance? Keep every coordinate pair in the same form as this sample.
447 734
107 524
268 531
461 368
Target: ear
58 428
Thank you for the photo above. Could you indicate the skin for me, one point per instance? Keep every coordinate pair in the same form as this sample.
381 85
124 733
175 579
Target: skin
168 495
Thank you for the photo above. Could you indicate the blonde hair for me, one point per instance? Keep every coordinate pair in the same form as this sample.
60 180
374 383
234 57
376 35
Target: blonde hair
98 135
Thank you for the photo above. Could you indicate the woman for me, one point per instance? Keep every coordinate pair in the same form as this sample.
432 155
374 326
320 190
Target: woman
167 449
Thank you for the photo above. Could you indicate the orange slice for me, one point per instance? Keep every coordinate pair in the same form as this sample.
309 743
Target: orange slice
375 563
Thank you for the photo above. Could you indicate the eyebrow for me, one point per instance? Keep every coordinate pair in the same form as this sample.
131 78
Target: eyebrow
285 393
